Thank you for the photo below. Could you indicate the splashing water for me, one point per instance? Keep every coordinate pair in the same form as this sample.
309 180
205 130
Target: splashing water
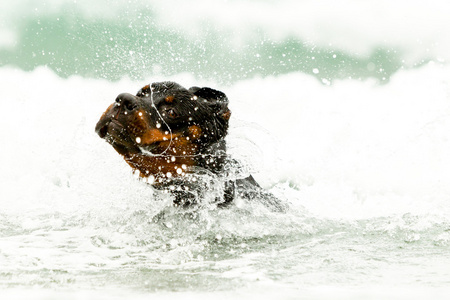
363 167
77 219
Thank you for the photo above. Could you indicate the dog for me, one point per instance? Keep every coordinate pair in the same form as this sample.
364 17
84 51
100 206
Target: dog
168 134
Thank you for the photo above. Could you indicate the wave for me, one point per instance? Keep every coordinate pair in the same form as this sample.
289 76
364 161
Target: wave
226 43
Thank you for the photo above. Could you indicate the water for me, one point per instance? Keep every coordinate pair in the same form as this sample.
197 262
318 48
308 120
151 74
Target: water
352 133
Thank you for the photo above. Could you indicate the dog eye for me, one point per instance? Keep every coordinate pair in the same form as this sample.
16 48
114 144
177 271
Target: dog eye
171 113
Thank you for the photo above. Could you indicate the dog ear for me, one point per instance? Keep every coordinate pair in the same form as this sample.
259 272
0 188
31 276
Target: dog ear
217 100
209 94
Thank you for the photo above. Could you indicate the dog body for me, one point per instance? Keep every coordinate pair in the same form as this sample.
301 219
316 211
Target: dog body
167 133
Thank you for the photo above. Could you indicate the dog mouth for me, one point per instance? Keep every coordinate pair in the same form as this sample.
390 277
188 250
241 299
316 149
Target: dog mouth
102 131
116 134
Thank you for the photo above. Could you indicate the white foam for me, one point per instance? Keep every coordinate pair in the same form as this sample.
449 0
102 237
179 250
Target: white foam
350 150
354 149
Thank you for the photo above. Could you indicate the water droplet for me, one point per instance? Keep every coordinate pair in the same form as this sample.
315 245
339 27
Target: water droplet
326 81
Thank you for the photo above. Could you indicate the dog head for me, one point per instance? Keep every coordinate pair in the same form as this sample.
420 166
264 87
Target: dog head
165 130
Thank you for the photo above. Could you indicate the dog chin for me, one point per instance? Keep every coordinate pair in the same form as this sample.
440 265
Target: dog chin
122 146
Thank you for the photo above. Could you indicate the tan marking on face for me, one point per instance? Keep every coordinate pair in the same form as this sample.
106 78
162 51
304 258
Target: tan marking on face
177 150
137 124
169 99
107 111
178 156
227 115
151 136
195 132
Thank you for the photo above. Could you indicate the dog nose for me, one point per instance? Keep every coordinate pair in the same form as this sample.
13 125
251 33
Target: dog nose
128 101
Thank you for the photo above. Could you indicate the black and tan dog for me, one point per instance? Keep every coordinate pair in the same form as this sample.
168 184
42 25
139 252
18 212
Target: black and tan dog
167 132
